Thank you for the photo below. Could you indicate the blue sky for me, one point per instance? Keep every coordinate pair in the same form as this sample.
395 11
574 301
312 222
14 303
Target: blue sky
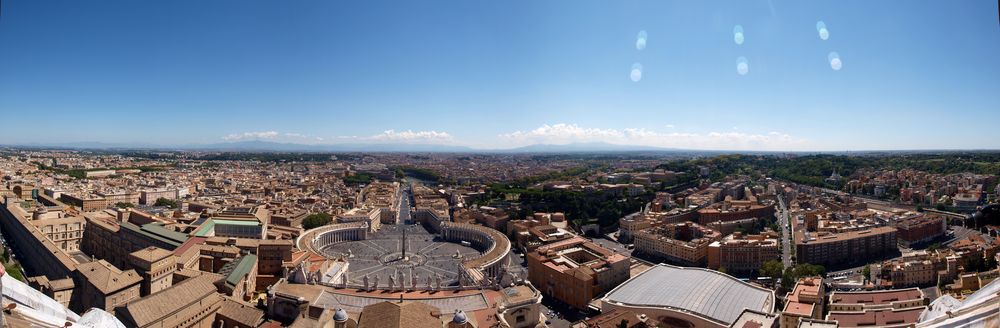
913 75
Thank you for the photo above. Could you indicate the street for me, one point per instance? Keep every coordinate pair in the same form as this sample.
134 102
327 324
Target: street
786 234
959 234
613 246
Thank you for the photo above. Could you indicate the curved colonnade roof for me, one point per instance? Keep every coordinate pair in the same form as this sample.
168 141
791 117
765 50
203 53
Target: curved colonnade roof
705 293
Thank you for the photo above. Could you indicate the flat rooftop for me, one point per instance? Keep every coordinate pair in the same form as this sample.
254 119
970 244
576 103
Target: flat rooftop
876 297
885 317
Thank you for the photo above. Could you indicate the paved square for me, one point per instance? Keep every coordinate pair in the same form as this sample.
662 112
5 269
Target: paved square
381 256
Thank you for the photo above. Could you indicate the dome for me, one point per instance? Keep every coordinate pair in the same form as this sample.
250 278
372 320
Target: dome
459 317
340 315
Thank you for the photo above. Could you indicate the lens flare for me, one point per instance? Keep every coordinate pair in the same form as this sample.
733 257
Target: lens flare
821 29
742 66
738 34
640 40
835 62
636 73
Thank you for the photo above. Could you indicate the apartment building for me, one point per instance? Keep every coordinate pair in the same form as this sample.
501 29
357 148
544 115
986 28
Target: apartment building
882 308
920 229
804 301
742 254
831 248
685 243
575 271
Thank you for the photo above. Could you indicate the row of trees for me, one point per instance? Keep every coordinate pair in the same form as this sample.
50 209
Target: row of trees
169 203
419 173
82 173
273 156
357 179
580 207
814 169
775 270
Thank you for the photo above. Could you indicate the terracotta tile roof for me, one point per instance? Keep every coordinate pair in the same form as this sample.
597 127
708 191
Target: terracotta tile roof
241 312
151 254
395 314
155 307
106 277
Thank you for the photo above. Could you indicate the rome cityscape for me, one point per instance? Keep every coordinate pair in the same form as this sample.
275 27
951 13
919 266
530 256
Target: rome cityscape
499 164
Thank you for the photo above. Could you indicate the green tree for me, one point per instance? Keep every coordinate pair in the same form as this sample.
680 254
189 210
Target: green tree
866 272
14 270
991 263
169 203
357 179
316 220
772 269
793 274
124 205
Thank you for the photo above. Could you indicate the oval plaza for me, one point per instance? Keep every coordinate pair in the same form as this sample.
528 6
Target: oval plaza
429 255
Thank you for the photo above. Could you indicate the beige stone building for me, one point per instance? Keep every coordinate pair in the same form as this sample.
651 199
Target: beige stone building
104 286
60 290
741 254
684 243
156 266
66 232
193 302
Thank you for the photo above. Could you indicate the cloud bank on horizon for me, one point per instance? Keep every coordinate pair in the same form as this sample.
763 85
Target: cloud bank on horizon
559 134
387 136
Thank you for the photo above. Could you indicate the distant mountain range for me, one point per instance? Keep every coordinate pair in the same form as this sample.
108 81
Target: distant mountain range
268 146
587 147
584 147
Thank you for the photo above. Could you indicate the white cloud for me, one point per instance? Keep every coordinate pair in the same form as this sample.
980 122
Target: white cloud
734 140
563 133
412 136
293 137
408 136
251 136
670 126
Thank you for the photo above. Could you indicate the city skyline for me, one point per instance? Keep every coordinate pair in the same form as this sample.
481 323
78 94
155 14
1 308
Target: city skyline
747 76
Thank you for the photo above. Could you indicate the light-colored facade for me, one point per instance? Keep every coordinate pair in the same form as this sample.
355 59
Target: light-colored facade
156 266
105 287
805 301
684 243
372 216
66 231
149 196
741 254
